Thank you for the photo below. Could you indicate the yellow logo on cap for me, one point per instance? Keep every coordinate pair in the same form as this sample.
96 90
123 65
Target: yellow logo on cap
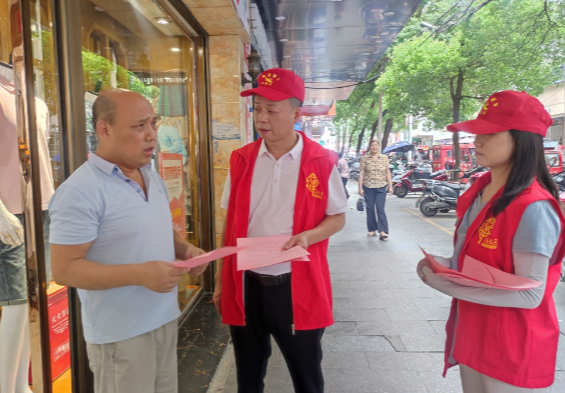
269 79
485 106
311 183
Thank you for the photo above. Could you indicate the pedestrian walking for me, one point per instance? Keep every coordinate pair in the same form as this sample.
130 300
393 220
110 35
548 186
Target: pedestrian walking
343 168
510 219
374 178
282 184
112 238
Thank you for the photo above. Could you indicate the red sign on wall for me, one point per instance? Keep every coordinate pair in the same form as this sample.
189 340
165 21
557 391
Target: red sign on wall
172 172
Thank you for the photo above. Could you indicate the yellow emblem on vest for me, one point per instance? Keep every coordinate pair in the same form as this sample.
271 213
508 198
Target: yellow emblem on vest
485 232
311 183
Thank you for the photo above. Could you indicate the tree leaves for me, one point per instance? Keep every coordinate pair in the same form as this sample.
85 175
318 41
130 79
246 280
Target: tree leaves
505 45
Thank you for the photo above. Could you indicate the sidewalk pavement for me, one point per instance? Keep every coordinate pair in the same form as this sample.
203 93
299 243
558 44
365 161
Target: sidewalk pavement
389 331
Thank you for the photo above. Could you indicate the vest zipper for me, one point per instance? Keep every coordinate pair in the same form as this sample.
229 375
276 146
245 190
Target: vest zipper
293 331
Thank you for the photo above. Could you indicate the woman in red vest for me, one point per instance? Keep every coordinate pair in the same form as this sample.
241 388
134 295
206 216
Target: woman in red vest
506 340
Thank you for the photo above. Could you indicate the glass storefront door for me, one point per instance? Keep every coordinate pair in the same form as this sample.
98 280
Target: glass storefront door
135 46
30 171
131 45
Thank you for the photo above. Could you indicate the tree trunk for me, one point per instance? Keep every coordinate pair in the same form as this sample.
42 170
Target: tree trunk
339 145
380 128
349 143
456 97
360 140
386 133
374 127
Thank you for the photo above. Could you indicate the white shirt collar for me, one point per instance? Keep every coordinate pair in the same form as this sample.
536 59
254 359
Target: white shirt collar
295 152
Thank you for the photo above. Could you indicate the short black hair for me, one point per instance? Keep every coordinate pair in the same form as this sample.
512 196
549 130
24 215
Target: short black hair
104 109
295 103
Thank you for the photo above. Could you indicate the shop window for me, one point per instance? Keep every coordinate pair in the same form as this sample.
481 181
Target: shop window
15 141
125 49
96 44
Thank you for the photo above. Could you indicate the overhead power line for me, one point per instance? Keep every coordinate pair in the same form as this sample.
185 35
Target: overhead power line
343 87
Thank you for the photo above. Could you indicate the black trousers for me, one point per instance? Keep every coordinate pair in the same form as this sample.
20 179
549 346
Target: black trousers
375 199
344 181
268 312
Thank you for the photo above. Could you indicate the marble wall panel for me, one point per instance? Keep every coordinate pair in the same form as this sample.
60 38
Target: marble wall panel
225 69
207 3
227 62
216 18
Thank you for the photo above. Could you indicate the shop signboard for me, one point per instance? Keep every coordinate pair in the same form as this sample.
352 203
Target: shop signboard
171 170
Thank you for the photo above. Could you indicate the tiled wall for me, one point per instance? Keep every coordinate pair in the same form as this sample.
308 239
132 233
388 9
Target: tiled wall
228 109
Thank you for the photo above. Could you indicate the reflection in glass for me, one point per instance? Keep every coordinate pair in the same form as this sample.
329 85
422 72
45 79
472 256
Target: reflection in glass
14 139
127 45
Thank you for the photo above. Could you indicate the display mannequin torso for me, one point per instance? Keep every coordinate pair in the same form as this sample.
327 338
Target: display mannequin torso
10 183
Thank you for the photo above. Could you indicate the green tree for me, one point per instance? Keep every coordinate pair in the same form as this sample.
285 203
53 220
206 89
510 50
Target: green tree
472 52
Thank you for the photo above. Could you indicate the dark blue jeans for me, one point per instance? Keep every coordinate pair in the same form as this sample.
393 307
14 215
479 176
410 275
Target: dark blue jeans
13 281
375 199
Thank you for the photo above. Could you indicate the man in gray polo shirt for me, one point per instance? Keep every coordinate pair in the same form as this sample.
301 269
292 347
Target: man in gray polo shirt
112 237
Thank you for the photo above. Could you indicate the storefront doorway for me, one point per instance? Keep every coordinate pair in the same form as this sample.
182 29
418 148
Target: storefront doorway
46 133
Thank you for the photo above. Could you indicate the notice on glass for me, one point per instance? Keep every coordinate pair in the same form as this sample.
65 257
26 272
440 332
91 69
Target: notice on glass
480 275
171 172
267 251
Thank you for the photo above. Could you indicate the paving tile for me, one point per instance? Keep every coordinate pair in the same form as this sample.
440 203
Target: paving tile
356 343
379 302
342 329
354 293
345 359
361 315
358 381
404 361
417 342
435 383
438 326
401 328
340 304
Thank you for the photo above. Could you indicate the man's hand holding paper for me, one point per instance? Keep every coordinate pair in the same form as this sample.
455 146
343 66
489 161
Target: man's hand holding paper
266 251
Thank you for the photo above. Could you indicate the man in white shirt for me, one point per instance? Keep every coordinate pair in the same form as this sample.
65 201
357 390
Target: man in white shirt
283 184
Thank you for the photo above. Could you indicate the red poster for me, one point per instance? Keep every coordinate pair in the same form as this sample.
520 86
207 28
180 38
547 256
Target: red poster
59 332
171 170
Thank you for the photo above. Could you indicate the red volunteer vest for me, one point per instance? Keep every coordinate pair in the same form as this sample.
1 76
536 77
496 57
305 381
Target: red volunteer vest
310 281
514 345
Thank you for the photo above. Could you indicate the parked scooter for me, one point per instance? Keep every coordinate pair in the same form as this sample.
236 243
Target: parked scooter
412 181
559 179
438 196
354 171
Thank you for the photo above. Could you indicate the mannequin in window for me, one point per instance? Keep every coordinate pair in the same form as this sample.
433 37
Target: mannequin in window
14 331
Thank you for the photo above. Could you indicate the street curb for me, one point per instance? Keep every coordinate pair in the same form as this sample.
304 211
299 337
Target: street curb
223 371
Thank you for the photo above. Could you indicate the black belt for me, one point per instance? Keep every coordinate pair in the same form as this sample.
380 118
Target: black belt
270 281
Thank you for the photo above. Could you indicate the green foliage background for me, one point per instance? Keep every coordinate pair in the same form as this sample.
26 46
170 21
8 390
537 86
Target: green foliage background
502 45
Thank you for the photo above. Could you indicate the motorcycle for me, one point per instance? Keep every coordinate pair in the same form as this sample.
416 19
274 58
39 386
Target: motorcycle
559 179
412 181
438 196
354 171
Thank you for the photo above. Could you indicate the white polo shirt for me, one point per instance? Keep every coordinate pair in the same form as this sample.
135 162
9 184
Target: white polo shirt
273 193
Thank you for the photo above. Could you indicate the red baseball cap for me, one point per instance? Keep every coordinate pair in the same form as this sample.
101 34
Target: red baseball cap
508 110
278 84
